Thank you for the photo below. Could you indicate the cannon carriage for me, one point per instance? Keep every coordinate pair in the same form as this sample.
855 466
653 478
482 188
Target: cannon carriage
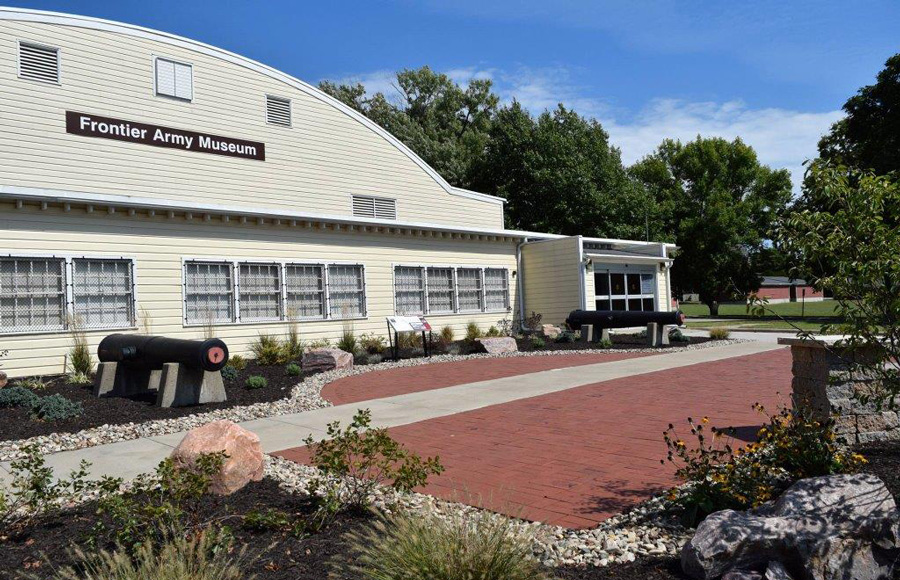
589 322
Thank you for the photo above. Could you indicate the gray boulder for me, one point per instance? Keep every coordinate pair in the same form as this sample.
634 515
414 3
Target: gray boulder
805 530
498 345
326 359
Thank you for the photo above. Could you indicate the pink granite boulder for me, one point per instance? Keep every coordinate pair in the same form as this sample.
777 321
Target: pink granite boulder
550 330
498 345
3 379
326 359
244 461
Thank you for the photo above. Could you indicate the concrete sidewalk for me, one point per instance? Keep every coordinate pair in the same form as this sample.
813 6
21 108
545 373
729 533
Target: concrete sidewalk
129 458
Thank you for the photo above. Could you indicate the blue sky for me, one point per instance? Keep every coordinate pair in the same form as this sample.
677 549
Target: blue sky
772 72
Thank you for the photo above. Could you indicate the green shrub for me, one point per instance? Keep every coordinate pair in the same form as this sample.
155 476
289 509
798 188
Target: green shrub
80 379
55 408
374 359
348 342
318 343
537 342
229 373
447 335
268 350
676 336
79 359
409 340
359 457
32 383
605 343
34 491
155 505
719 333
202 556
293 370
473 332
460 546
256 382
237 362
372 343
293 346
789 447
17 396
492 332
565 337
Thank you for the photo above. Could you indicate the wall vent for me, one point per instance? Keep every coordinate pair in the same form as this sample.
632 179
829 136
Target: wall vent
374 207
278 111
38 63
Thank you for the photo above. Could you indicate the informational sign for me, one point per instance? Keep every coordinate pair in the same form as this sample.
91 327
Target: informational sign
159 136
408 323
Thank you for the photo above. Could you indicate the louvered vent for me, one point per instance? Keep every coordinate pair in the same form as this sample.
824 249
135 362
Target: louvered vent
38 63
278 111
374 207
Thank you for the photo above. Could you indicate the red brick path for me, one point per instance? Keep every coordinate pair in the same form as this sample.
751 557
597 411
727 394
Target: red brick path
575 457
387 383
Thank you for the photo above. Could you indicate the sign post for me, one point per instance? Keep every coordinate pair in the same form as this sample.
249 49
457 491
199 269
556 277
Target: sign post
398 324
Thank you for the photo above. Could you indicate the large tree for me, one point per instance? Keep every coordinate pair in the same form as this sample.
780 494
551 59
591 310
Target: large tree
868 138
720 204
445 124
559 174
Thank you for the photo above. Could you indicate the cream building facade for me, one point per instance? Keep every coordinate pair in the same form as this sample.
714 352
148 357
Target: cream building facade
151 183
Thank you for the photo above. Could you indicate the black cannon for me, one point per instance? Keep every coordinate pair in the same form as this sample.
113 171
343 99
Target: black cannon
152 352
180 372
622 319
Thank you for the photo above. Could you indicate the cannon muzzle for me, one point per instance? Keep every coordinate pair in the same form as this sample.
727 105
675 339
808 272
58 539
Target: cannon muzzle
152 352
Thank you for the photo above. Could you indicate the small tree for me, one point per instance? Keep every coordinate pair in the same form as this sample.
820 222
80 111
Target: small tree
858 236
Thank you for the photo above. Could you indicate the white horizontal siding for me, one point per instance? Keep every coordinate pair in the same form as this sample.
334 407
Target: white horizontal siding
552 278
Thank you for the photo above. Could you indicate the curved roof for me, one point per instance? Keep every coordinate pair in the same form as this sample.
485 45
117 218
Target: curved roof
42 16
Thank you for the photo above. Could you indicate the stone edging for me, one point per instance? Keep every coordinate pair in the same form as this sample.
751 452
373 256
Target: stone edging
305 396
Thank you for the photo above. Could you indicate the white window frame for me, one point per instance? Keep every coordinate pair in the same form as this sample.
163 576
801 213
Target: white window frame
455 289
68 280
453 305
156 93
280 302
324 269
423 271
282 264
75 294
59 72
507 300
640 271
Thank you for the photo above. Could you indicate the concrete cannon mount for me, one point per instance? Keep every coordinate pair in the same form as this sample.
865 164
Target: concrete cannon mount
176 385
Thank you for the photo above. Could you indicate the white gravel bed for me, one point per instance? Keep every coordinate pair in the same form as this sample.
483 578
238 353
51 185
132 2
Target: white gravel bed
646 530
305 396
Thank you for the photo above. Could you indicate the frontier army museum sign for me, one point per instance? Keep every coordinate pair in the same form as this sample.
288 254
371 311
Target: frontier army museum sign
159 136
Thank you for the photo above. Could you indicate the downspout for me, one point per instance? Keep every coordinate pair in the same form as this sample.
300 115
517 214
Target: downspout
665 253
520 283
582 293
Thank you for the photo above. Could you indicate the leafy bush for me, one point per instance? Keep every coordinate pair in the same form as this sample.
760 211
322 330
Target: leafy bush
293 346
359 457
318 343
460 546
156 504
473 332
719 333
80 379
789 447
237 362
372 343
533 321
256 382
268 350
79 359
505 326
409 340
537 342
374 359
229 373
447 335
348 342
492 332
55 408
605 343
565 337
293 370
34 491
202 556
32 383
17 396
676 336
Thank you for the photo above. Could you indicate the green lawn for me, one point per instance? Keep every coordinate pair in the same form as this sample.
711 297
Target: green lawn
793 326
820 308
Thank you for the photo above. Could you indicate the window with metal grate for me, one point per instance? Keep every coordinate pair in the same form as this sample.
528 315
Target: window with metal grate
38 62
374 207
278 111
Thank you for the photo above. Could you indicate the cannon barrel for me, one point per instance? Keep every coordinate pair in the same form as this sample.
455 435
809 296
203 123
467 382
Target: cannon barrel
621 319
154 351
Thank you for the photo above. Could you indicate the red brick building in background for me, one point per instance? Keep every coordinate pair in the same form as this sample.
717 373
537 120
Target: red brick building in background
784 289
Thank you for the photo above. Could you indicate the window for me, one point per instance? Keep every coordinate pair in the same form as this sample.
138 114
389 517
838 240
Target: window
32 294
409 290
624 291
346 291
496 289
38 62
260 291
468 284
278 111
174 79
374 207
208 292
103 293
305 285
440 290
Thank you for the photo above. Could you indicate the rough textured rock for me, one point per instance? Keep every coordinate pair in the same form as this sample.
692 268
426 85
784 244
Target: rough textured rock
742 575
776 571
550 330
327 359
3 379
498 345
801 530
245 457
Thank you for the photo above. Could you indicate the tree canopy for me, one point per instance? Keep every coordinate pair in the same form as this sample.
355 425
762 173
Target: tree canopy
720 204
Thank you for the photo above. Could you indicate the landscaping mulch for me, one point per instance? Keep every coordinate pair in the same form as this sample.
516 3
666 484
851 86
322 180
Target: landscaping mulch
884 461
619 341
16 423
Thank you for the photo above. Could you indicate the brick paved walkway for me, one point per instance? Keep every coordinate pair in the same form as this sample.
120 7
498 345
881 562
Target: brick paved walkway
387 383
575 457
